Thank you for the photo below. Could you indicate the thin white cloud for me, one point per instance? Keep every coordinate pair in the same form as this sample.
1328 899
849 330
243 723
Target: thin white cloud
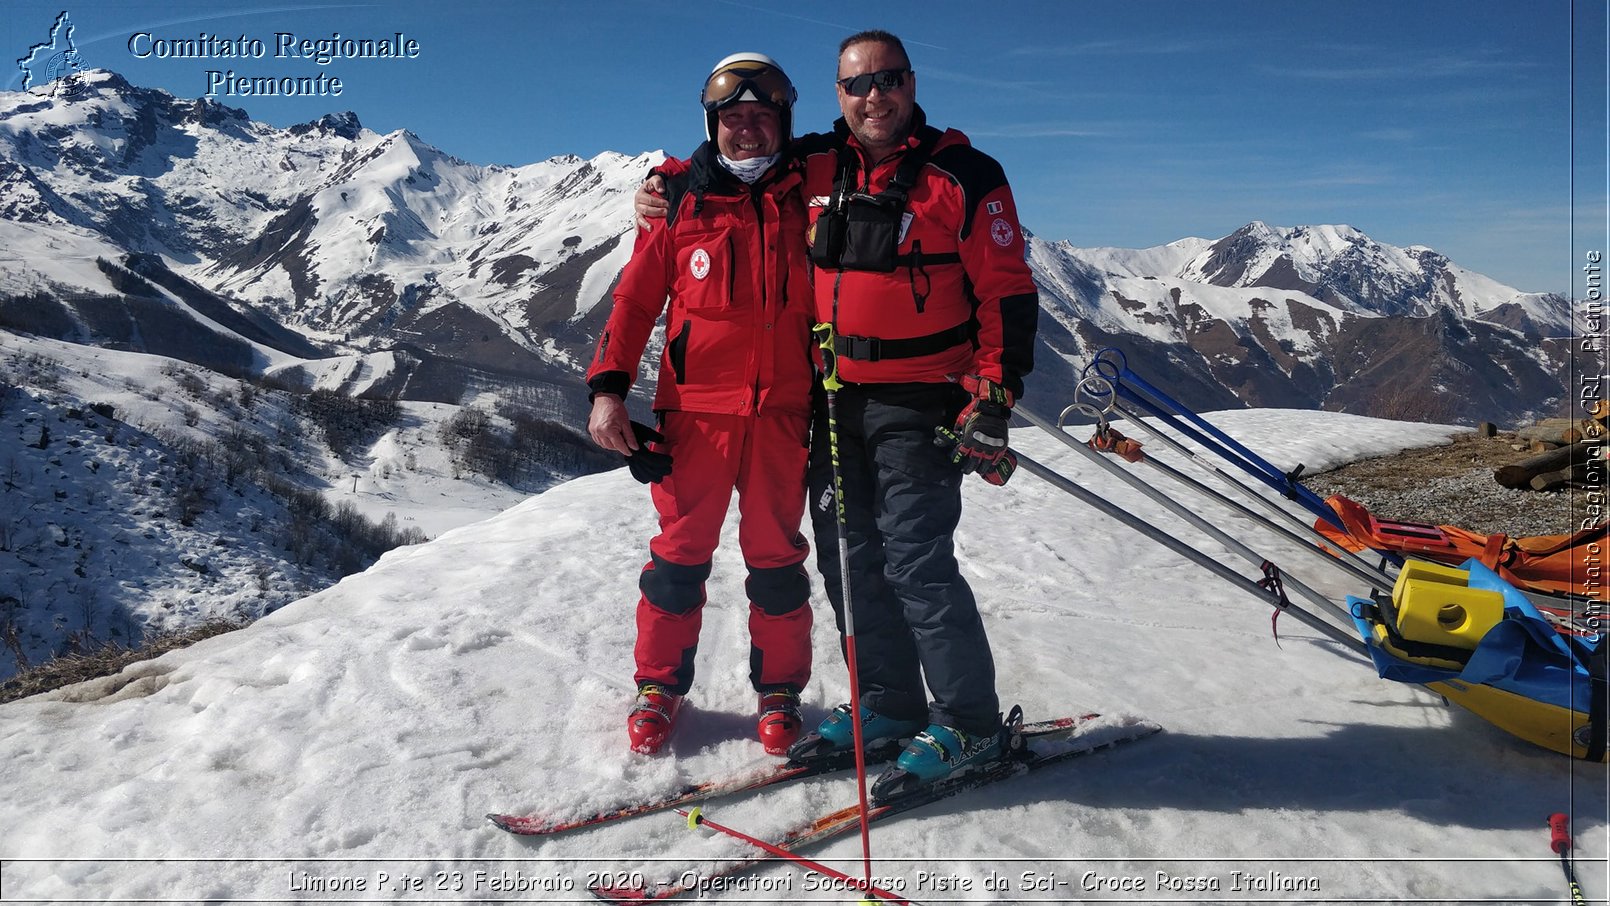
1120 47
1041 130
847 29
1418 67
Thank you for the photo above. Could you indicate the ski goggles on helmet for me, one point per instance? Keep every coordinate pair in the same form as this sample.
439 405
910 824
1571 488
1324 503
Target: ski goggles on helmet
748 81
885 79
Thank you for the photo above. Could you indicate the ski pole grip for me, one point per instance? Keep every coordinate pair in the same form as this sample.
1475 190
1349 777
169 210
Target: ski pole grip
824 336
1559 832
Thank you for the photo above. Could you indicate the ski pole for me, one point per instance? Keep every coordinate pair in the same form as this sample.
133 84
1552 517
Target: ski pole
1156 402
1225 538
1356 564
1190 553
1354 567
832 384
697 819
1341 557
1560 842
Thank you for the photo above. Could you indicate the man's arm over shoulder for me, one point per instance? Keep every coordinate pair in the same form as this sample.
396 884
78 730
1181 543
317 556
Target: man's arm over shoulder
993 250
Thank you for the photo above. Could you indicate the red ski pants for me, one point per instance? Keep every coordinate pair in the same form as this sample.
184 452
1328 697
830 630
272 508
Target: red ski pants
762 457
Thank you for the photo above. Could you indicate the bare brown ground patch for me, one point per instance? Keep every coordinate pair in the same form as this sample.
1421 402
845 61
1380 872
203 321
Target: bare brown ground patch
1453 484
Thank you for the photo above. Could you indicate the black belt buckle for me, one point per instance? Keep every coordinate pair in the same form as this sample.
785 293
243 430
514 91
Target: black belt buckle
861 349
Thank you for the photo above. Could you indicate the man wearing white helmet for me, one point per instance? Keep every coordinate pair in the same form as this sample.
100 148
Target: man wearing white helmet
733 400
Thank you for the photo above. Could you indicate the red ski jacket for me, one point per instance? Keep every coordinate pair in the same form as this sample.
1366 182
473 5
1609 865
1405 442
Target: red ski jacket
730 262
961 286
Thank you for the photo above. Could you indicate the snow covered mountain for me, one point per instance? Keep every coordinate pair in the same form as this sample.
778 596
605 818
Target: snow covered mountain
141 494
328 252
293 244
1314 317
1341 266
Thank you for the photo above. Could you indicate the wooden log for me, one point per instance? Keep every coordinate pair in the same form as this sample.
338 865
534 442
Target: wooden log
1520 474
1561 431
1559 478
1486 429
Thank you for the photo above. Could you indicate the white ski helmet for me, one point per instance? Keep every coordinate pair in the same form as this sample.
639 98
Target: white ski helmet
748 77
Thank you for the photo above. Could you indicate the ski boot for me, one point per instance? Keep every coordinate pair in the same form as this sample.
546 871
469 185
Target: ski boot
652 719
942 753
780 722
882 736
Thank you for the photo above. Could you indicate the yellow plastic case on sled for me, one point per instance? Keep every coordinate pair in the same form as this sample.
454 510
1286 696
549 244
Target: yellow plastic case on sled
1436 604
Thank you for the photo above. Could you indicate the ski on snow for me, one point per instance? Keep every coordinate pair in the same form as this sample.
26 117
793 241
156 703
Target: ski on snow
1054 747
539 825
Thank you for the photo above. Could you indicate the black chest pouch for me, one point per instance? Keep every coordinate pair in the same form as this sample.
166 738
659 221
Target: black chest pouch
859 231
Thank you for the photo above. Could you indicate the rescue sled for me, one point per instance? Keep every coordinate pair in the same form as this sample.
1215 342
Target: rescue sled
1532 662
1556 564
1475 639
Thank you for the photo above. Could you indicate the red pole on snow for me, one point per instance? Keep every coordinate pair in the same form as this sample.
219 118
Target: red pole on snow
855 711
696 818
1560 842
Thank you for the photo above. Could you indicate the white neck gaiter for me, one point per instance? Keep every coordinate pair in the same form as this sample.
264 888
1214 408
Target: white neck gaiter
748 170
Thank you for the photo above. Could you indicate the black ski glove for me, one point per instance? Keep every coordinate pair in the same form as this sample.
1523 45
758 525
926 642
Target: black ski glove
647 466
997 472
980 434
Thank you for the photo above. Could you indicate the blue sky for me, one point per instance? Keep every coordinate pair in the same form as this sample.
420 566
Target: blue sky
1433 122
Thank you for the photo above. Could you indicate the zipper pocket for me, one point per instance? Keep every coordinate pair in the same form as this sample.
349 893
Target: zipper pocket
677 351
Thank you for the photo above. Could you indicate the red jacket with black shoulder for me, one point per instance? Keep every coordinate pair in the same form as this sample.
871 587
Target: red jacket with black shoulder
729 267
961 281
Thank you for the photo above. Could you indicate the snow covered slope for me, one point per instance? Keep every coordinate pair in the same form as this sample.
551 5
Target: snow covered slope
366 729
133 500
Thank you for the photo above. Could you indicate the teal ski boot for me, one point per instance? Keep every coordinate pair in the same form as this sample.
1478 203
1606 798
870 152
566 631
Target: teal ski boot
883 736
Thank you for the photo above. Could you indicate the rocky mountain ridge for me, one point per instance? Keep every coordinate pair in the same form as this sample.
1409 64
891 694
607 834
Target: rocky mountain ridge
328 255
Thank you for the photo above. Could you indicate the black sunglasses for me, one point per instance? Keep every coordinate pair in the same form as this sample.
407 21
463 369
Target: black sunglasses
886 79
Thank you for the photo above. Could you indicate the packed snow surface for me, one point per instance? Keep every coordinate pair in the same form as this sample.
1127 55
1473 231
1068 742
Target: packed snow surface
357 737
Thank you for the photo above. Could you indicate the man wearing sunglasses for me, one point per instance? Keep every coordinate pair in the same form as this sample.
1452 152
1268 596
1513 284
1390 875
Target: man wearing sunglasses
733 401
919 267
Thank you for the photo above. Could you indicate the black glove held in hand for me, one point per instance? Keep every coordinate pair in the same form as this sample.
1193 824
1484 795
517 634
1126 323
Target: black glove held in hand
646 465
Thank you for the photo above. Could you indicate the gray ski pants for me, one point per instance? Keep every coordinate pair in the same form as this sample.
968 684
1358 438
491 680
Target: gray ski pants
915 616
